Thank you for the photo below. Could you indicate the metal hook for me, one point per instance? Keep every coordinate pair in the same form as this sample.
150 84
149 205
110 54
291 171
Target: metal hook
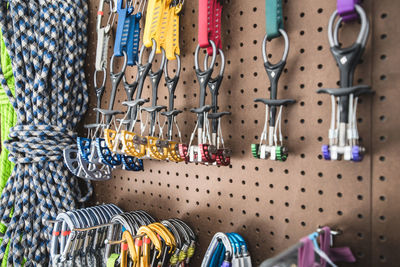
178 68
362 35
196 56
152 53
285 52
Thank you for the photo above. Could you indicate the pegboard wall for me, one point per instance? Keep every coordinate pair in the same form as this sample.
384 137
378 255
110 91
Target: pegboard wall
273 204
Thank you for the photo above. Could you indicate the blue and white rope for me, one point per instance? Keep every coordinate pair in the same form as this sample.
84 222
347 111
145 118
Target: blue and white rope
47 43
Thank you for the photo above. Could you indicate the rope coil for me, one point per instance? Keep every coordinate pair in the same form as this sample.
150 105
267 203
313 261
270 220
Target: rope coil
47 42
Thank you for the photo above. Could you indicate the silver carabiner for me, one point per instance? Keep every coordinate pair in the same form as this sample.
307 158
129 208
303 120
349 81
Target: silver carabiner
152 53
285 52
333 31
214 56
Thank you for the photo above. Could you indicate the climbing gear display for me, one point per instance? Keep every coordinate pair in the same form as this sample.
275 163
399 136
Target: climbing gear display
209 23
225 250
303 253
344 141
50 99
271 142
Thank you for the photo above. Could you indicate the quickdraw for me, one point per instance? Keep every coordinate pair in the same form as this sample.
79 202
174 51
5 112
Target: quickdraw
208 149
210 12
271 142
343 133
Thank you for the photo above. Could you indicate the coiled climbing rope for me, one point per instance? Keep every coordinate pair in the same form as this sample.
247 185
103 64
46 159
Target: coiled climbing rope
47 42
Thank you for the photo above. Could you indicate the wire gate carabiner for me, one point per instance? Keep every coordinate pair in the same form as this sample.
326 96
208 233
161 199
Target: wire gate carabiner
271 142
344 142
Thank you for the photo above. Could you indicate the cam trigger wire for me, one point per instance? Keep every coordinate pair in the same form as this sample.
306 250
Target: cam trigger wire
47 43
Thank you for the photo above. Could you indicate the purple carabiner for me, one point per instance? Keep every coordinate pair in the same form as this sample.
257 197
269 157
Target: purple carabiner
347 10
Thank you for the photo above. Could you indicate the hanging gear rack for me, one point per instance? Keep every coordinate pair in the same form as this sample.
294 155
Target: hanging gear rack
344 142
271 143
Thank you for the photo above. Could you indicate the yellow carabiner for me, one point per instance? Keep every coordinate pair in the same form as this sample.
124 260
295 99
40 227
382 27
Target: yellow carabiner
165 234
153 237
127 244
131 245
132 144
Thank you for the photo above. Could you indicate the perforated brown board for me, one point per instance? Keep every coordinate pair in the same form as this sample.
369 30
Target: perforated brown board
274 204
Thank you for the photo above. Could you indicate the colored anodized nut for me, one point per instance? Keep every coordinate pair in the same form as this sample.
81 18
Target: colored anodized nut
132 163
357 153
173 152
107 157
326 152
133 144
84 145
207 153
281 153
223 157
183 152
255 148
